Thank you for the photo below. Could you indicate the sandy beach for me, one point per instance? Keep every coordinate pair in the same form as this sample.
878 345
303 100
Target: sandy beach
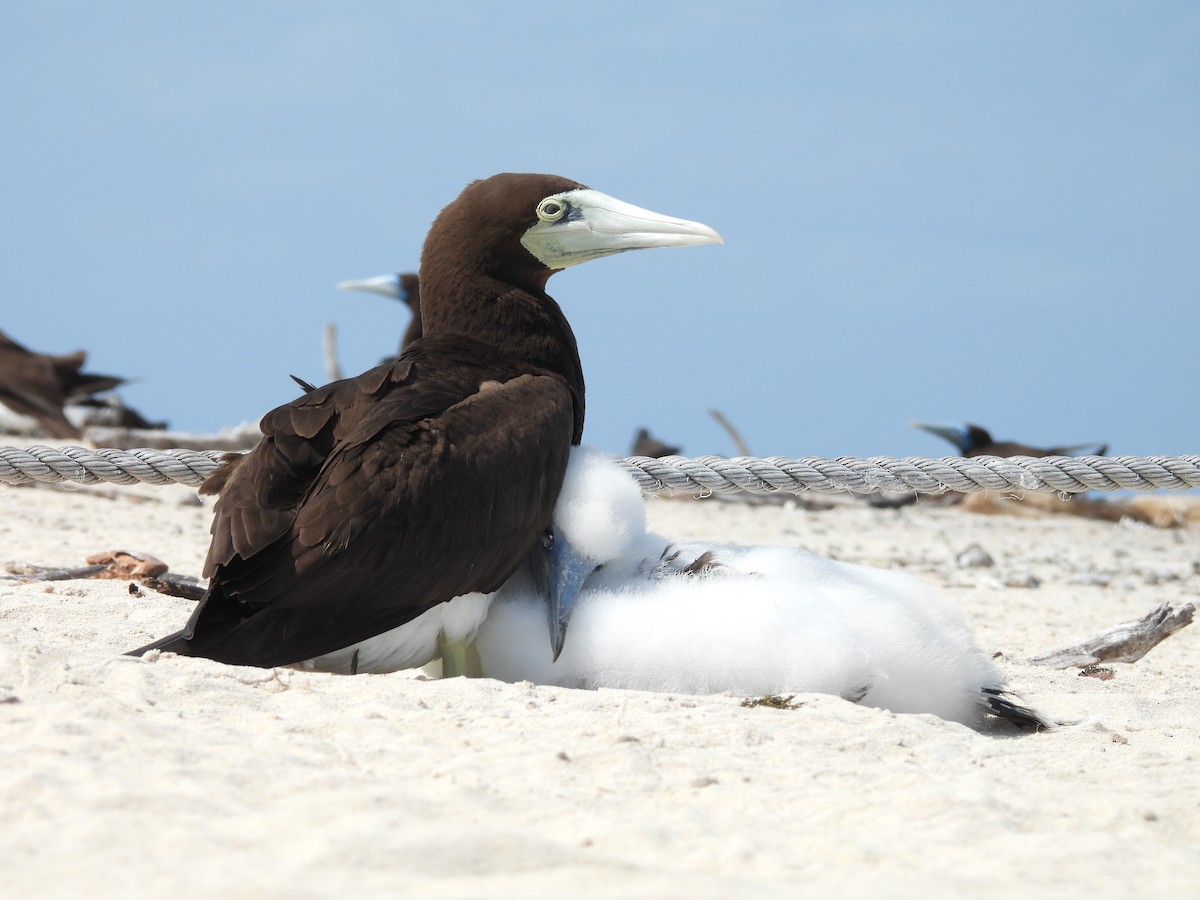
182 777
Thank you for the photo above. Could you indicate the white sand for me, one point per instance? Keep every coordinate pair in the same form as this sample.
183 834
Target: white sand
181 777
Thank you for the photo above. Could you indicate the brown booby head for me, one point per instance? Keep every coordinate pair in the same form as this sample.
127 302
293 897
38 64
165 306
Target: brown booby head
520 229
371 501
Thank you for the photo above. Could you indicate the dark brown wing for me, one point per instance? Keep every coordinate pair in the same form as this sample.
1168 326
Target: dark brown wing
440 487
29 386
262 491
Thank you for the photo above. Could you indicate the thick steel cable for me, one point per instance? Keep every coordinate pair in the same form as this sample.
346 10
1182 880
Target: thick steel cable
701 475
84 465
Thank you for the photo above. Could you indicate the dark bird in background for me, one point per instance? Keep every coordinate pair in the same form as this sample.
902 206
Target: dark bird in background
39 385
645 444
374 499
972 440
405 287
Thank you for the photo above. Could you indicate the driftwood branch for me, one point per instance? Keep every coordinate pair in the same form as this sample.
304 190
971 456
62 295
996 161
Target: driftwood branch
125 565
733 433
185 586
333 369
19 571
244 437
1127 642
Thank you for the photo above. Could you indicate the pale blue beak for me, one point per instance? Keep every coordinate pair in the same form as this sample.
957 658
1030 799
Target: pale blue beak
567 572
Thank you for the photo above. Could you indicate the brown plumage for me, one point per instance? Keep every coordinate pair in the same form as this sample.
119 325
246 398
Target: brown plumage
375 498
410 296
388 465
38 385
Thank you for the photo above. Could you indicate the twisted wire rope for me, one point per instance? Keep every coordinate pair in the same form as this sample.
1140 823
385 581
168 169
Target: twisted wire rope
702 475
84 465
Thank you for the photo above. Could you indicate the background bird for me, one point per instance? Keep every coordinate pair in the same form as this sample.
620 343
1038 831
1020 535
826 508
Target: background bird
405 287
39 386
646 444
648 614
973 440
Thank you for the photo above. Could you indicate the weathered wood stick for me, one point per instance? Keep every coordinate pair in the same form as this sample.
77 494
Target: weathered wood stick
185 586
333 369
244 437
1127 642
121 565
31 572
734 434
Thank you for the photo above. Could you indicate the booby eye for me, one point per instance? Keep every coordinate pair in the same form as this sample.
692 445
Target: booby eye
547 539
551 209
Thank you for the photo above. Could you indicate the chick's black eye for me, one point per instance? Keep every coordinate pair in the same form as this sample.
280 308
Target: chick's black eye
547 540
551 209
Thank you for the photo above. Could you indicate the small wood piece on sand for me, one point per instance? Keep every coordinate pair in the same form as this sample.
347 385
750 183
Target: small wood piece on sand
128 565
1127 642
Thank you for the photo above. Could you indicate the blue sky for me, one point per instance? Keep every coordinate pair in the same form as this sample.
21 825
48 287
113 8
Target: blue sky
936 211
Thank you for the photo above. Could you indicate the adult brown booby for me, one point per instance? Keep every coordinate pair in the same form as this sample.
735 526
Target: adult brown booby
39 384
405 287
376 498
972 440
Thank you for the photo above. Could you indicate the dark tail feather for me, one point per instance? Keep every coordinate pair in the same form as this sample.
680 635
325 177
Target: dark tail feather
172 643
1009 706
86 384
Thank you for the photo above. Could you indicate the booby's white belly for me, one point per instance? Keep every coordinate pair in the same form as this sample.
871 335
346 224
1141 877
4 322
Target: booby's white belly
410 645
